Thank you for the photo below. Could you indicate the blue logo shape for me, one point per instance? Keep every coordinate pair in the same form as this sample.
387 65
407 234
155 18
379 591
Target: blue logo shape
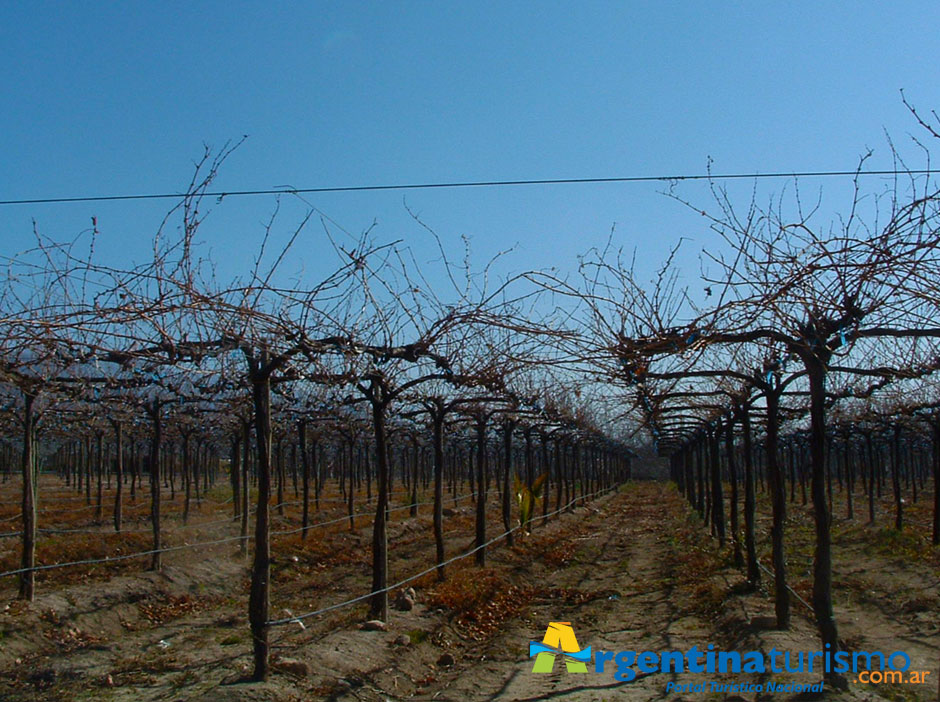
584 655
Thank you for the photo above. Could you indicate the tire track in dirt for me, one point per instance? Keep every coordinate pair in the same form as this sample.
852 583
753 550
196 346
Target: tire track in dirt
625 555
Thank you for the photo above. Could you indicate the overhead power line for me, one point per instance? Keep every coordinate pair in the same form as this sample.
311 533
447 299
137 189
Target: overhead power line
470 184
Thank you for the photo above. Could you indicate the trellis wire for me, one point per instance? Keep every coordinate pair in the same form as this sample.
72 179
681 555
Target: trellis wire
215 542
300 617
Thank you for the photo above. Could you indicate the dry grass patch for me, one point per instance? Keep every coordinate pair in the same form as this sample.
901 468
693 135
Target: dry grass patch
481 600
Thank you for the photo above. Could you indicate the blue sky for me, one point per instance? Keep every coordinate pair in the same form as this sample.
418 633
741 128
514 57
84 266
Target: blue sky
114 98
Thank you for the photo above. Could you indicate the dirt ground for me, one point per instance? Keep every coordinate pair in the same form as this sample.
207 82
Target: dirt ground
632 570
